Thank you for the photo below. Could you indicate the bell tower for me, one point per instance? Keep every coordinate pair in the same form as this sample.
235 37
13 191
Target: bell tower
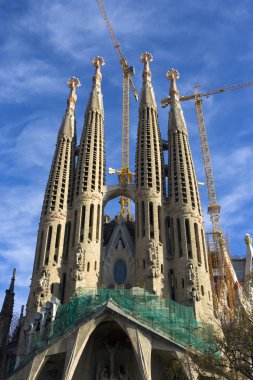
84 263
188 280
149 189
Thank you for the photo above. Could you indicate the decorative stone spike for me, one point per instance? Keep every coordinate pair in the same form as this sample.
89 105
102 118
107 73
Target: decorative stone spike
72 83
172 74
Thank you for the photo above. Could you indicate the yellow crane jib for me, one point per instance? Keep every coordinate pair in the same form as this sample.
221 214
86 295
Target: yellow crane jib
206 94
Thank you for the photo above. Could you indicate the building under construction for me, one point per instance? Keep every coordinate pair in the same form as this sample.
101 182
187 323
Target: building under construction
122 298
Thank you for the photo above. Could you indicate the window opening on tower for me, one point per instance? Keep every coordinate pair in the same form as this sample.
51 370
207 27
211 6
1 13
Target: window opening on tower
188 238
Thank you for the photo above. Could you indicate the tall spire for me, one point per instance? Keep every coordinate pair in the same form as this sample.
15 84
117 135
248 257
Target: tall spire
185 239
57 200
8 303
149 188
5 322
84 264
13 280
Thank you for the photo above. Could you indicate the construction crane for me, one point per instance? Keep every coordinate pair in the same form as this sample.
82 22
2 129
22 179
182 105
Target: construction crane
124 174
219 261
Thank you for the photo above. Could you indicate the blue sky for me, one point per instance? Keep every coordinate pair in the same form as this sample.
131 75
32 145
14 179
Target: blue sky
44 43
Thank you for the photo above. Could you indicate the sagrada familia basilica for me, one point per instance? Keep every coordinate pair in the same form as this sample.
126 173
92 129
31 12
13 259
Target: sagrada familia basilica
121 298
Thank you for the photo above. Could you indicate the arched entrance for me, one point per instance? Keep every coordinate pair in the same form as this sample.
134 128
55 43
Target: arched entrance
53 367
107 355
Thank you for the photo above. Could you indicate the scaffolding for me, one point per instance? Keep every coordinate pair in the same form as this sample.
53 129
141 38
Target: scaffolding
222 281
159 314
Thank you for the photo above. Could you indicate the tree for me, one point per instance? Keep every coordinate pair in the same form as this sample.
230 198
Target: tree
230 355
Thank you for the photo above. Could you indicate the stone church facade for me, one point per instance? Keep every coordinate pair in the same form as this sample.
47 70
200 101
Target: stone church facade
81 255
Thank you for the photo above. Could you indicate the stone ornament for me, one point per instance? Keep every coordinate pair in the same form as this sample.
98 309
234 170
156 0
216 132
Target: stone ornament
153 262
80 258
190 273
43 281
76 273
248 239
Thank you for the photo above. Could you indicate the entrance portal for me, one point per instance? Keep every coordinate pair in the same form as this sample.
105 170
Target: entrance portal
107 355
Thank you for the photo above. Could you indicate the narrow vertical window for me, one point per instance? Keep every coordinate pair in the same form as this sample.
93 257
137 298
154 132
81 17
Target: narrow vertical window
204 249
137 220
179 238
151 220
172 237
57 242
168 235
172 284
82 224
159 223
188 238
74 229
66 241
91 221
58 235
95 265
98 222
63 284
49 238
40 250
88 267
196 231
142 219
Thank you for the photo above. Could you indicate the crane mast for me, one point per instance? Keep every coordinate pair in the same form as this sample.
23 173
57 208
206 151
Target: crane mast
124 174
214 208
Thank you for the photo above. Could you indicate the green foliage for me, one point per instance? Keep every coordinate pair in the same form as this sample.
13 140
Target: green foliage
235 348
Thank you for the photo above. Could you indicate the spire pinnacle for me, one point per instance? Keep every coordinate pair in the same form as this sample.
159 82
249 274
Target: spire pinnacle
97 63
13 279
248 239
146 58
173 75
147 98
96 101
72 83
22 311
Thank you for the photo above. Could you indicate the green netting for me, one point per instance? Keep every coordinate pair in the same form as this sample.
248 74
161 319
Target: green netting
167 317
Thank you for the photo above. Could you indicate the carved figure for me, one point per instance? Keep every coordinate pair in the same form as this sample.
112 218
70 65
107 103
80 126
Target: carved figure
111 351
154 271
151 252
80 255
77 275
43 281
190 272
